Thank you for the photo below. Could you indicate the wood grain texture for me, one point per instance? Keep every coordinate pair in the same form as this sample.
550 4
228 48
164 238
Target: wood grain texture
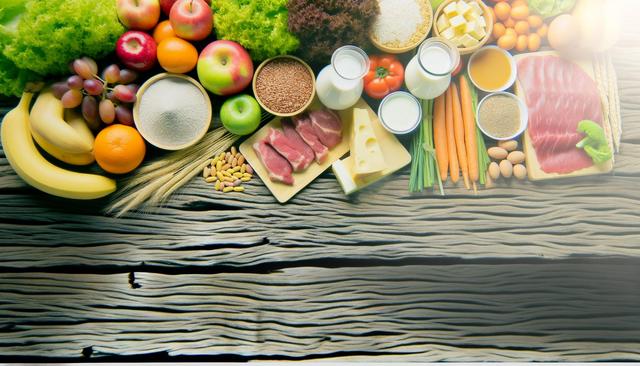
546 312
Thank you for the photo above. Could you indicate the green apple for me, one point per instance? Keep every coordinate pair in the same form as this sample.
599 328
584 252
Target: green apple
241 114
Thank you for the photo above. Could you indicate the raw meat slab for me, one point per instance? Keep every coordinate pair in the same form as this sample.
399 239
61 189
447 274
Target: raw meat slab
534 170
283 192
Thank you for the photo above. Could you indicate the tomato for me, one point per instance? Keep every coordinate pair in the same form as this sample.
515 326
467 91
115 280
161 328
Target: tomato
385 76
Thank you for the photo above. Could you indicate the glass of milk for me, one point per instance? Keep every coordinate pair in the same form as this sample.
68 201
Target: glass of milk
339 85
400 112
428 74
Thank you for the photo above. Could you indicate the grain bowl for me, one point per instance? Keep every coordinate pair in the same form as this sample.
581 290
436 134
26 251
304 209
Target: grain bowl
284 85
401 25
172 111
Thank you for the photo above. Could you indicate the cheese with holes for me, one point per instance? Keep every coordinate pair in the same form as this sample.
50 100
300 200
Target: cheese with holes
365 147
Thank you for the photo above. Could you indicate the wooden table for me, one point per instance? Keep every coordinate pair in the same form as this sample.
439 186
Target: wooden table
520 272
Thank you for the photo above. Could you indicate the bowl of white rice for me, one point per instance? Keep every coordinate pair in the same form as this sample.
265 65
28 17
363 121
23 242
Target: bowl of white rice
401 25
172 111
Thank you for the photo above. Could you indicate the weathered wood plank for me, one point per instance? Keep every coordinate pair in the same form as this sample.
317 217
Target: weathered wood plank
549 312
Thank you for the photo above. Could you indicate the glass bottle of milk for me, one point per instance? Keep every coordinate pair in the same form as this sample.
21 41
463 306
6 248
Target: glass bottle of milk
339 85
428 74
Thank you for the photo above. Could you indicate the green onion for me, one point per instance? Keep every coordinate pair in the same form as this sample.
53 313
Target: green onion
483 156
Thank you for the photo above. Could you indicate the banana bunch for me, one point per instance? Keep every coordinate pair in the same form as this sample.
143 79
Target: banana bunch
70 141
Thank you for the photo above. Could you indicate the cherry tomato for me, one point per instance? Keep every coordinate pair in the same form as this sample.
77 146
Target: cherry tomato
385 76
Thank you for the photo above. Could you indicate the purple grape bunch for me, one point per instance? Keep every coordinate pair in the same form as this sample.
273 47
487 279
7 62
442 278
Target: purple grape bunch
107 97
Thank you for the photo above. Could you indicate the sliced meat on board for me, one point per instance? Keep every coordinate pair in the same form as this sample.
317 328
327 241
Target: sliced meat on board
290 131
277 166
289 149
327 126
305 129
559 94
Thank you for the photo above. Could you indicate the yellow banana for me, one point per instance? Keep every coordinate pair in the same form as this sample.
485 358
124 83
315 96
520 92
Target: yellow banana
33 168
47 120
76 121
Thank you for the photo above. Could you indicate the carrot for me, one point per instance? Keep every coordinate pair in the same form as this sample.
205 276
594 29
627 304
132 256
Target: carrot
440 136
454 168
458 130
469 129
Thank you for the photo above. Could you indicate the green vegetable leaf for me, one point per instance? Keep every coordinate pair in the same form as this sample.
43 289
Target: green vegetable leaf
595 143
260 26
551 8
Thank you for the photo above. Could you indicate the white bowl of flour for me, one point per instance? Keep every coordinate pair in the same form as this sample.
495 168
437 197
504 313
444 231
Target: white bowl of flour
172 111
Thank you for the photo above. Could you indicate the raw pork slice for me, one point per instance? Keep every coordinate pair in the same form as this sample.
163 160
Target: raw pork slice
327 126
559 95
287 148
293 136
278 167
307 132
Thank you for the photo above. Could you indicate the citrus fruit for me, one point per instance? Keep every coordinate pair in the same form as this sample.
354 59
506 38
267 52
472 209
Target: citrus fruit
119 149
163 31
177 55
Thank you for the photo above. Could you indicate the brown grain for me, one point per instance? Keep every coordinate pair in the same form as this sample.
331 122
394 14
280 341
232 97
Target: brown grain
284 85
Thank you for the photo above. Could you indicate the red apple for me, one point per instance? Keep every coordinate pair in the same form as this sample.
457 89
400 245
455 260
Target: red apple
138 14
191 19
167 4
225 67
137 50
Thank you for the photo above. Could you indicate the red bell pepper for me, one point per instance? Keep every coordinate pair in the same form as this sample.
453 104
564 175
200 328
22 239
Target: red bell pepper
385 76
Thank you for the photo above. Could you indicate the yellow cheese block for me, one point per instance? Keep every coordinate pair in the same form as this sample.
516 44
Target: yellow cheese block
365 148
396 157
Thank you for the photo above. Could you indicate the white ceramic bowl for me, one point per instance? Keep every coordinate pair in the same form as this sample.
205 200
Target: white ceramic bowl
524 116
144 128
512 62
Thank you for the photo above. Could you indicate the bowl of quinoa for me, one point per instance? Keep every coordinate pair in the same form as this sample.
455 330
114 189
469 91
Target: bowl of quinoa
401 25
284 85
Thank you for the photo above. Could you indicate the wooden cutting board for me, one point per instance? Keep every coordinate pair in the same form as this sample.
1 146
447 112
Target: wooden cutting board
534 170
283 192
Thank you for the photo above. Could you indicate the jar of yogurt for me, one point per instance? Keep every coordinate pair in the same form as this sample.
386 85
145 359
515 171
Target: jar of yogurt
339 85
400 112
428 74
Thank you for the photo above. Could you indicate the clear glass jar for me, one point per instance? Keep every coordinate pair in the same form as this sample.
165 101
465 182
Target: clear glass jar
339 85
428 74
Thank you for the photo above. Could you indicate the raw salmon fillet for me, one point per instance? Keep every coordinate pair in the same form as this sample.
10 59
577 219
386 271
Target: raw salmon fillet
559 94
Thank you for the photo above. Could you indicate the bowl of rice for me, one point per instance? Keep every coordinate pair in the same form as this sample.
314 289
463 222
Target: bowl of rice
401 25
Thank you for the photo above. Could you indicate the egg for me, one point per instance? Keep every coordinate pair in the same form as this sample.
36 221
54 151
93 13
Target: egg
506 168
520 171
502 10
522 43
507 42
563 32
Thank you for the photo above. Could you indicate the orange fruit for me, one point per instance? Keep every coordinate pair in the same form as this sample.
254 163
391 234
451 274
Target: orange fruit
163 31
498 30
177 55
119 149
502 11
522 27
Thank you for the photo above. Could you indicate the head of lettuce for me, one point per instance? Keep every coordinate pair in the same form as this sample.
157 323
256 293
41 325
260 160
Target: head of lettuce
39 38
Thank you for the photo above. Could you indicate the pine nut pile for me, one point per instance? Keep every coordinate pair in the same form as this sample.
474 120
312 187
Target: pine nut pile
228 171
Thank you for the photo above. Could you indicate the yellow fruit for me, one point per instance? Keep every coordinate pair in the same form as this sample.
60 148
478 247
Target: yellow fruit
33 168
498 30
522 27
511 32
502 10
535 21
507 42
542 31
520 12
534 42
510 23
47 120
522 43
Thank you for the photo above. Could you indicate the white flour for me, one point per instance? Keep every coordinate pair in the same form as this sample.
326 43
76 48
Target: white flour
173 112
